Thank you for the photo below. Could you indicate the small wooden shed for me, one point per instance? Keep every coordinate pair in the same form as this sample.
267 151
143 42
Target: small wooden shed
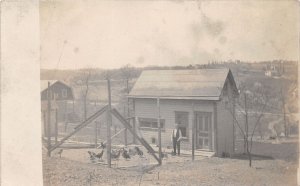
202 98
60 91
61 95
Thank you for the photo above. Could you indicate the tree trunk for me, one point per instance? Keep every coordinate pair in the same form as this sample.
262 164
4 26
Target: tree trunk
245 144
247 132
250 159
85 112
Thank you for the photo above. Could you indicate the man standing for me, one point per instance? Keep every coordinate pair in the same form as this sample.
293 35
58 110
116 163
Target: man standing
176 138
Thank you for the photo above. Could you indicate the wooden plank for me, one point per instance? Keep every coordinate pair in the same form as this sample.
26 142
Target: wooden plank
119 132
108 122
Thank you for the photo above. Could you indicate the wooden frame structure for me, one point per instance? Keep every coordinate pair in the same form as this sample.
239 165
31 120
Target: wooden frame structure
109 112
117 115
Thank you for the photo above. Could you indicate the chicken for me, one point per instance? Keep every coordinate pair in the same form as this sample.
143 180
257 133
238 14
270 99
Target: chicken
164 155
60 152
99 155
102 145
125 154
139 152
132 152
115 155
92 155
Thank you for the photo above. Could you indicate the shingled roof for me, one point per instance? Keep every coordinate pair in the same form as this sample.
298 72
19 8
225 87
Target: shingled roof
202 84
44 84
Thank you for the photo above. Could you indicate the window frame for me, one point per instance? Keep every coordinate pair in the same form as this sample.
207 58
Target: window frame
64 93
152 121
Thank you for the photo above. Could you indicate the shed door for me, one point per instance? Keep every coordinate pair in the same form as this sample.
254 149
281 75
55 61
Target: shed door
203 131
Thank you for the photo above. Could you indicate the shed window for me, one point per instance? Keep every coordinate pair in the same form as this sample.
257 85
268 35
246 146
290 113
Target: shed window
182 119
64 93
151 123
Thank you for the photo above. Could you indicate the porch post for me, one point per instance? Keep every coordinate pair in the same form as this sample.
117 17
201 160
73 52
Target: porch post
215 127
193 132
159 131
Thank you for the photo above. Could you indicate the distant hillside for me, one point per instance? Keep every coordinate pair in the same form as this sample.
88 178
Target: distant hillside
244 73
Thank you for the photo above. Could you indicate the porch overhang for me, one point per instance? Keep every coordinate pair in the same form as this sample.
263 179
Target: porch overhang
204 98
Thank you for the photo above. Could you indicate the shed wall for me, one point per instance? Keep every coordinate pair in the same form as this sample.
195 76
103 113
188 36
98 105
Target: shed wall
225 141
147 108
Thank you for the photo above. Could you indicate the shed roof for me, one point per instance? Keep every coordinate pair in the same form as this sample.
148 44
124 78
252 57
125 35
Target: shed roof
203 84
44 84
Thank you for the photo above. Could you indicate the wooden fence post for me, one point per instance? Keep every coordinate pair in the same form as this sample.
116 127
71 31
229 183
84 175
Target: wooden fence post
109 121
56 126
49 120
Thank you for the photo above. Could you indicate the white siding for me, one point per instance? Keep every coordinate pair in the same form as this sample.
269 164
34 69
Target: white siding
225 127
147 108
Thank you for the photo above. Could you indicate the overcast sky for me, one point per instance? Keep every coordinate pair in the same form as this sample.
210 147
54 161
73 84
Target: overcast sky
109 34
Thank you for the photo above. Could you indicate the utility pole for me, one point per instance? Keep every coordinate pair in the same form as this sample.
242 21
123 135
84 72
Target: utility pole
49 120
159 132
109 122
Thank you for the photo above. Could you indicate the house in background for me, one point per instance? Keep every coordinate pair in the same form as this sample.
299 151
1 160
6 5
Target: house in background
203 98
60 91
272 70
61 94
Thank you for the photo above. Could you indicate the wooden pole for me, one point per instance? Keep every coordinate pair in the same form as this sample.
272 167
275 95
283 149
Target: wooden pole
49 120
193 132
125 131
109 122
96 133
128 115
159 132
133 122
233 123
56 126
45 124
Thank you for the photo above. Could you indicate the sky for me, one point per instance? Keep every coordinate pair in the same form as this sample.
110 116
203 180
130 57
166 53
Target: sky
78 34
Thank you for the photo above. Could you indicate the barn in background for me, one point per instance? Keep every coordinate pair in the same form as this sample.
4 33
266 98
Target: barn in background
202 98
60 94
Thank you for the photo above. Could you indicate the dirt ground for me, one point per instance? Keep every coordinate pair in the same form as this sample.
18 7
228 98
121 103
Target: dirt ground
75 168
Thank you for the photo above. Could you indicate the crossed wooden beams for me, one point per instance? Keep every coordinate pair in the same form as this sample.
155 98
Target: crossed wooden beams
120 118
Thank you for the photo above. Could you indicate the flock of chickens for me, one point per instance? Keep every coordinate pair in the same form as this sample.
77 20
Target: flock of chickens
115 154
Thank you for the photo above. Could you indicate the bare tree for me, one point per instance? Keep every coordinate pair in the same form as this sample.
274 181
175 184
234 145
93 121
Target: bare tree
127 74
283 101
85 90
250 103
